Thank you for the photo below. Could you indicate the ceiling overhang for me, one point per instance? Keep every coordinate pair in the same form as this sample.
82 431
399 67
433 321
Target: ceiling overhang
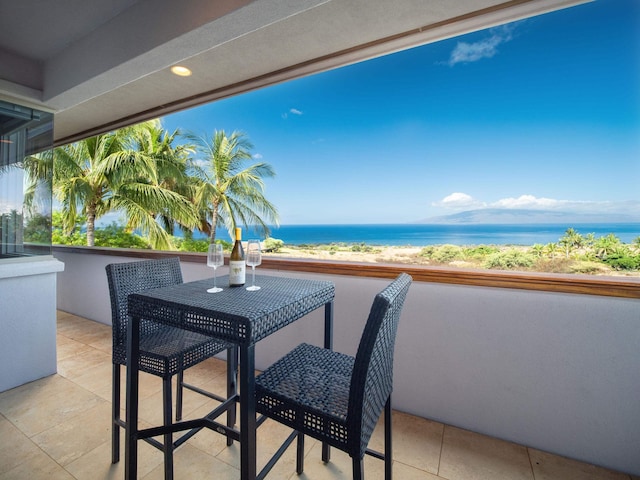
111 66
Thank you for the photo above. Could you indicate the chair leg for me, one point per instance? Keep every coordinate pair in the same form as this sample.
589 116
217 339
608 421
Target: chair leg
388 446
300 454
179 392
168 437
358 468
232 387
115 413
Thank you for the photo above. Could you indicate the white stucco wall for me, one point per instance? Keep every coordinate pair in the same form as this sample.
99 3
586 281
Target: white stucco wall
27 319
557 372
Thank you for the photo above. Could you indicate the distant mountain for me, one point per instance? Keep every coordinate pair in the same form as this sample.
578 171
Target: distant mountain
500 216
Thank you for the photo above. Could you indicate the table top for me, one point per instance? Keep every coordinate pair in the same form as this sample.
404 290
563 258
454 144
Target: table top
235 314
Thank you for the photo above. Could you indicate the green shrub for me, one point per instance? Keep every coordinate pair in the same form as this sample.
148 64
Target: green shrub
364 248
427 251
480 251
623 261
114 235
447 253
509 259
191 245
273 245
74 238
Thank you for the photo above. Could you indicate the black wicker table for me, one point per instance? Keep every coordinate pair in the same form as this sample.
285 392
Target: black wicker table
235 315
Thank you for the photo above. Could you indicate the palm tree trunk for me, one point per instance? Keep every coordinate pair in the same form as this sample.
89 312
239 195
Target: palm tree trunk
91 225
214 222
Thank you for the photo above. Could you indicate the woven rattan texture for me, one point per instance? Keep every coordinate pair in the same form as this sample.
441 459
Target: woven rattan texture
164 350
235 314
331 396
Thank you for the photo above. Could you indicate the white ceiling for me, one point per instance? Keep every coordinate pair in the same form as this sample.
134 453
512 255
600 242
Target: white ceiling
102 64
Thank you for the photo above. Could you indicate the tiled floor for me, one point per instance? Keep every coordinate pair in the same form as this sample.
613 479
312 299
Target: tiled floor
59 428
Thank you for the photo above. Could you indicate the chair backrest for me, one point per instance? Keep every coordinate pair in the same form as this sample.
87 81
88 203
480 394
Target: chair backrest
372 379
133 277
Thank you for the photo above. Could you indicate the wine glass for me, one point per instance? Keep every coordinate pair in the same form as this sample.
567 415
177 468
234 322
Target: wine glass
215 258
253 259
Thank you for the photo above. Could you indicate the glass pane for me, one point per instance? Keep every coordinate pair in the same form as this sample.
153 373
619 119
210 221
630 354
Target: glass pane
26 142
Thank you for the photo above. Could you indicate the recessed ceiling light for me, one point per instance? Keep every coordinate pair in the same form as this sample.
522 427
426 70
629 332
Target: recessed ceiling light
181 71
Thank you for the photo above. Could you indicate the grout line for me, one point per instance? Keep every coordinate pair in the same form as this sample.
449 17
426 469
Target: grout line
533 472
444 427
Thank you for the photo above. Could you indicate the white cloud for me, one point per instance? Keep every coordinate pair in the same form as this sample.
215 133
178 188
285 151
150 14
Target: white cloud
472 52
463 201
528 201
292 111
458 200
257 156
531 202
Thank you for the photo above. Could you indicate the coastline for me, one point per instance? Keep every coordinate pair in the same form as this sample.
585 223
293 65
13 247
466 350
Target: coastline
420 235
470 257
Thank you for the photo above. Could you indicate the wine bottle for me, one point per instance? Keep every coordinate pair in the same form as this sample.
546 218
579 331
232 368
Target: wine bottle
237 266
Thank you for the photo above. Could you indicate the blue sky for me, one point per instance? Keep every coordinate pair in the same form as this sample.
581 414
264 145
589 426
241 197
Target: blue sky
541 113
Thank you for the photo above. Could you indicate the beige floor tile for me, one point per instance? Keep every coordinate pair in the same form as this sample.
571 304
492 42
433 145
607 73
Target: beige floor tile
40 405
73 438
547 466
189 462
75 327
269 438
148 385
77 365
67 347
17 451
406 472
96 464
97 379
103 342
340 467
207 440
471 456
416 441
151 405
42 467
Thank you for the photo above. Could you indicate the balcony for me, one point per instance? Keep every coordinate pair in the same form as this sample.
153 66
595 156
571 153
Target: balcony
58 427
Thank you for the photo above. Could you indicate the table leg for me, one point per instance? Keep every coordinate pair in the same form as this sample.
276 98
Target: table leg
247 413
131 430
328 343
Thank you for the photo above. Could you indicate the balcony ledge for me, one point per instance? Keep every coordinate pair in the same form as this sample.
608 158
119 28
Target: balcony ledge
625 287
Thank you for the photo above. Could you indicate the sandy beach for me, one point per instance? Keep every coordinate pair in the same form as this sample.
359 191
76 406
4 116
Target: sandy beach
383 254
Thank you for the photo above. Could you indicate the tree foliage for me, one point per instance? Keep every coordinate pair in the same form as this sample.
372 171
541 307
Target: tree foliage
228 190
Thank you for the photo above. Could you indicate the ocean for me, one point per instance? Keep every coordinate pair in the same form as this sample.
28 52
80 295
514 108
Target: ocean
422 234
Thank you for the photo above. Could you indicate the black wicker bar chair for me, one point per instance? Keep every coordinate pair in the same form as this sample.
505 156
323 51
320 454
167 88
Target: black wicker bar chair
164 351
334 397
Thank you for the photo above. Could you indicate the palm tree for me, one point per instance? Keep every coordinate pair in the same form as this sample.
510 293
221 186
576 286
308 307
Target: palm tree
571 239
110 172
538 250
228 190
153 143
606 246
550 249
